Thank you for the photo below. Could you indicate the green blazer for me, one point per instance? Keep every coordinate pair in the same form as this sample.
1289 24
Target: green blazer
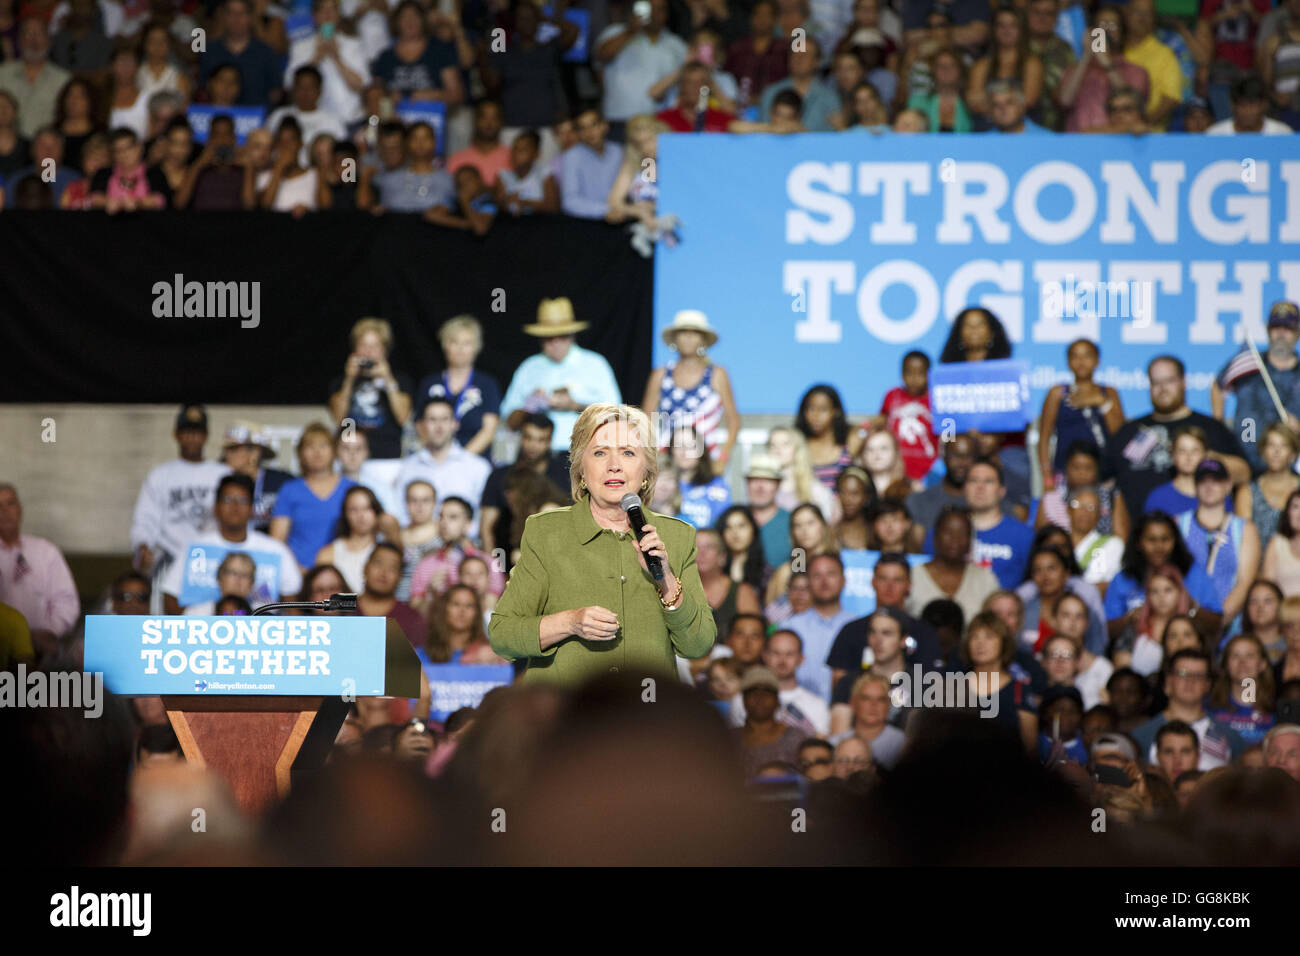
568 561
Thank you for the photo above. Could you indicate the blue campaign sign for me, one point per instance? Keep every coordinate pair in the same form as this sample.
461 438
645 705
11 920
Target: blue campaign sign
199 580
424 111
988 396
463 685
579 18
279 656
828 256
247 119
858 595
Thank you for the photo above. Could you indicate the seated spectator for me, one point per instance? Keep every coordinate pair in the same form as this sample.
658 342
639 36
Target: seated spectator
911 121
783 655
437 569
693 112
1099 555
1082 469
80 45
290 187
174 167
1087 86
382 572
1187 681
589 169
341 59
524 187
77 116
338 189
419 535
214 182
475 395
1282 556
418 67
1174 497
523 74
1249 108
239 46
1001 542
305 108
688 487
821 624
951 574
882 459
95 155
15 151
943 106
1224 544
232 512
127 185
818 101
810 536
760 58
535 455
727 597
1050 568
1243 694
799 484
473 208
47 156
1282 749
1065 658
246 448
1060 720
369 394
846 74
33 79
1262 618
1265 497
128 106
764 738
855 494
635 55
34 578
477 573
442 461
864 108
225 87
869 700
1007 109
485 152
416 186
355 537
319 584
308 507
236 575
158 69
456 632
1124 114
1155 541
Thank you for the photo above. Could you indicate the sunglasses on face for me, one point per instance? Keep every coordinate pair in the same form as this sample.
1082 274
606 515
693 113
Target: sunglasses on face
129 597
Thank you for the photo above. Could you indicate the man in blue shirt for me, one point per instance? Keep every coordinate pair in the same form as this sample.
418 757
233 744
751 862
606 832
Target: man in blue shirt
47 165
819 101
562 380
1001 542
258 64
589 168
818 626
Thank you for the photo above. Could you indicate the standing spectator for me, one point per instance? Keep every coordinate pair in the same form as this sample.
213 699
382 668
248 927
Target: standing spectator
34 578
635 55
1054 53
818 626
693 390
1265 497
1001 542
523 74
340 59
1241 375
383 572
943 105
291 187
233 511
1009 58
820 103
1224 544
158 70
1098 554
47 153
417 186
1065 658
865 110
258 64
224 87
742 546
127 105
1143 49
370 393
760 58
214 181
882 459
832 444
306 109
726 596
855 493
969 18
33 80
563 379
1083 470
246 448
420 533
475 395
989 648
355 537
1140 454
473 208
443 462
175 500
588 170
1007 109
762 479
127 185
308 508
800 707
905 411
456 631
80 45
535 454
1174 497
951 574
1278 56
174 164
417 67
924 506
486 152
1262 618
692 112
1082 410
524 186
1088 84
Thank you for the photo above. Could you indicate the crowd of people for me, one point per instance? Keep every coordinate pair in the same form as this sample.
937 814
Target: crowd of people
1133 627
463 112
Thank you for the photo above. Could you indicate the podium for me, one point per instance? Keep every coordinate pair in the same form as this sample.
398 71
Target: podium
258 700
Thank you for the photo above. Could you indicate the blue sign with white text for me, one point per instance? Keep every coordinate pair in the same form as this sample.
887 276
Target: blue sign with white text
463 685
424 111
825 257
279 656
199 581
988 396
246 119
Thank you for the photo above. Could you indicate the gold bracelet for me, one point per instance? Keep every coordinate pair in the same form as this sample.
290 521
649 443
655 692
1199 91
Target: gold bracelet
676 601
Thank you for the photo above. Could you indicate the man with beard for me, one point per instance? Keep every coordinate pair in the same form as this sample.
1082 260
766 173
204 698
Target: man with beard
1140 454
1253 401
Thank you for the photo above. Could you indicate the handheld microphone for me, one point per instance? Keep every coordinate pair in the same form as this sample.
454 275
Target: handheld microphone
631 503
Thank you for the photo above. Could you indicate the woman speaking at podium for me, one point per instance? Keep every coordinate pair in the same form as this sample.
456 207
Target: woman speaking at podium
582 600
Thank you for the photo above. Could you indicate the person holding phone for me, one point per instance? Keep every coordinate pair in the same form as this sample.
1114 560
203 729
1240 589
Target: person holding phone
340 59
369 393
636 55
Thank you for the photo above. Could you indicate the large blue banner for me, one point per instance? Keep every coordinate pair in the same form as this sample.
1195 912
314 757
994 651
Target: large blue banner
827 256
309 656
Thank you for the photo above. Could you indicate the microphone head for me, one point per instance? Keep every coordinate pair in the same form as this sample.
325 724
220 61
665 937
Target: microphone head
630 500
342 602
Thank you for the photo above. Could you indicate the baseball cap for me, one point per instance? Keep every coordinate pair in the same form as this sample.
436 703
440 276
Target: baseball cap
757 677
1211 468
192 416
1285 314
1114 744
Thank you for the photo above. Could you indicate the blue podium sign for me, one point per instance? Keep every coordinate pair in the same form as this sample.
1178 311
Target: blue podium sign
199 582
275 656
463 685
989 396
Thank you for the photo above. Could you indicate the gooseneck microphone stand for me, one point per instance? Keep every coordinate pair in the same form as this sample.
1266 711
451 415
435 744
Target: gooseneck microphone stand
335 602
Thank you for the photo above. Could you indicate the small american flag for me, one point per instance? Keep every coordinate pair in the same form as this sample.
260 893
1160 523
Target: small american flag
21 568
1240 366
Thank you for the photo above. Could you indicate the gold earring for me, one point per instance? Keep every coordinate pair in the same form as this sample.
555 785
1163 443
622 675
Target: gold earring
645 483
582 484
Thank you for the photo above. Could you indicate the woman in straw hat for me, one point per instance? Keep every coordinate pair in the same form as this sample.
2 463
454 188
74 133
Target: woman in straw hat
692 390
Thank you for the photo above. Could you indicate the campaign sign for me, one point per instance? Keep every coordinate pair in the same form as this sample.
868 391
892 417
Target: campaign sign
424 111
247 119
463 685
989 396
579 18
199 580
826 257
858 596
280 656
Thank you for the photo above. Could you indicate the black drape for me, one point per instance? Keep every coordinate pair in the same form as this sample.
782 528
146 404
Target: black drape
77 300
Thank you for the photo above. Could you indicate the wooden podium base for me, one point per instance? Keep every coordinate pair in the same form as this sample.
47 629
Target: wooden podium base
251 741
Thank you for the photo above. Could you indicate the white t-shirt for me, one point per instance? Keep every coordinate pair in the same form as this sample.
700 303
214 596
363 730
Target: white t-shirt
1271 127
1106 558
290 576
313 124
1092 682
336 96
175 504
795 704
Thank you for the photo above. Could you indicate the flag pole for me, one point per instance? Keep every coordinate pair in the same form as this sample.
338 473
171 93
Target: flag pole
1268 382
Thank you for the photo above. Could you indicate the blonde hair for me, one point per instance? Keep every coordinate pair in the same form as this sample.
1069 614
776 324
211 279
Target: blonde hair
801 466
461 323
642 123
870 678
590 421
380 327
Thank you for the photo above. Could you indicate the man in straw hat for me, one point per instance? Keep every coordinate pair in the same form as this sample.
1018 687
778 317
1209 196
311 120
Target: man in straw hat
246 448
563 379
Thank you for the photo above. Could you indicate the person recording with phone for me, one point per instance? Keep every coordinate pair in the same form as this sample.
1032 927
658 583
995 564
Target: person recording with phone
369 393
605 586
